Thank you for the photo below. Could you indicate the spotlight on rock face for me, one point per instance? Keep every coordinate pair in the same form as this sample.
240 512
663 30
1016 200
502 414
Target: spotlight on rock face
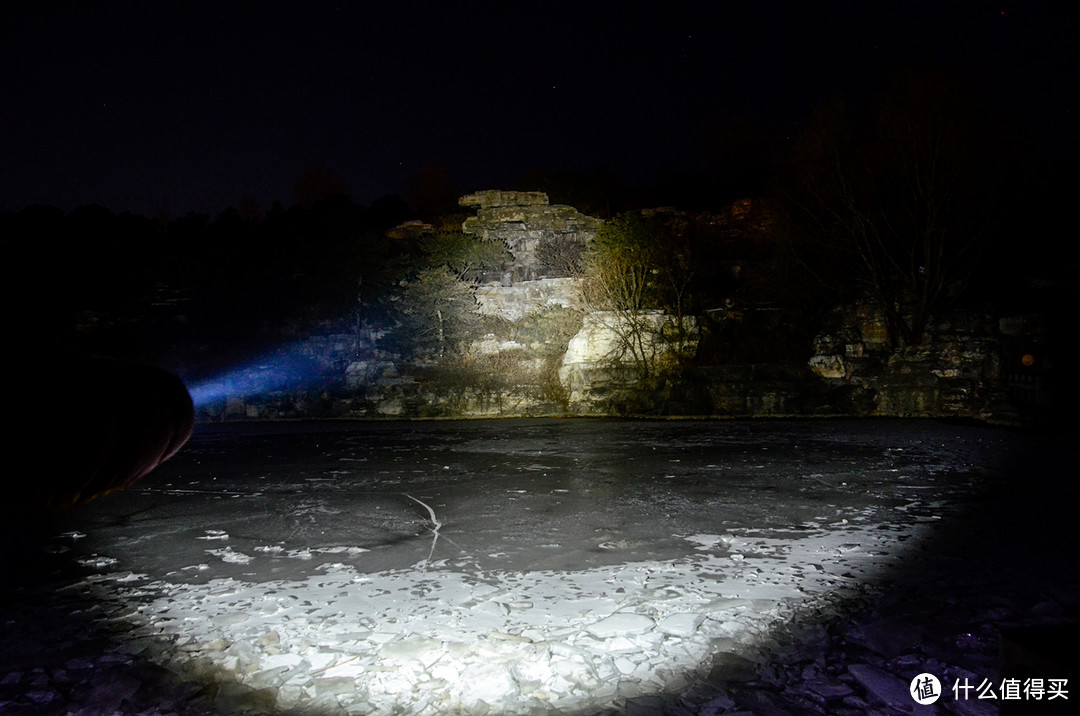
109 423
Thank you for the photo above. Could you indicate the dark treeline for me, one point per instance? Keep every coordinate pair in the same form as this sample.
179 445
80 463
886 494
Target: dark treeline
227 285
920 201
150 288
126 285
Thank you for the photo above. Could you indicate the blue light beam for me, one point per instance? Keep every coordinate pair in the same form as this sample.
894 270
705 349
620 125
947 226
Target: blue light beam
284 369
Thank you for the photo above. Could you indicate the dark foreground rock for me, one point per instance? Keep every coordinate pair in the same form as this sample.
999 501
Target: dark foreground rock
104 424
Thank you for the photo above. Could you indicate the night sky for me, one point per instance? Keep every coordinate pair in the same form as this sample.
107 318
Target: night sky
164 108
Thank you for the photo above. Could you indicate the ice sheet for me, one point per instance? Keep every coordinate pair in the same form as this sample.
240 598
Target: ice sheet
579 564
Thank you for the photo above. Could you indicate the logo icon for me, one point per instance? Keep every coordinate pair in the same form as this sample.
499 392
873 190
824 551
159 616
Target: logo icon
925 689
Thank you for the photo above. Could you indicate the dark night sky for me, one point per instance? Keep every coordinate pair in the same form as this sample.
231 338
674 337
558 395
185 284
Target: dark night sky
189 105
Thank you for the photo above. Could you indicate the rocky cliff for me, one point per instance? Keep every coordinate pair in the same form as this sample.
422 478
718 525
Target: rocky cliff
622 364
542 352
536 232
955 372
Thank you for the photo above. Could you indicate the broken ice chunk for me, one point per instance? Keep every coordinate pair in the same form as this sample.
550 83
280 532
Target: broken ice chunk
419 648
620 644
335 686
97 561
684 624
620 624
228 554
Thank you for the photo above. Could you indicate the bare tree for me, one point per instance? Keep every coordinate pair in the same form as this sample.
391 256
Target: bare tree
631 275
902 199
560 256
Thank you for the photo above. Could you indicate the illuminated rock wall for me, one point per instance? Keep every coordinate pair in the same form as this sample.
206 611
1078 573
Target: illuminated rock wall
539 352
523 221
603 374
517 300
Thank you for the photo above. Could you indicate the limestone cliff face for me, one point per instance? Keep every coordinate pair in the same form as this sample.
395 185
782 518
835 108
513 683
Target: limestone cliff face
532 311
525 222
536 349
515 301
614 356
955 372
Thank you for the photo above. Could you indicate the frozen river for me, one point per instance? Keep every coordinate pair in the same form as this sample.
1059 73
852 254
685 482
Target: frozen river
470 567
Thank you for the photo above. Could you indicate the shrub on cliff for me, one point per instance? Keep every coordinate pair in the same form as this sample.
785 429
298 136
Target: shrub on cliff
436 312
547 332
633 270
434 304
462 254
